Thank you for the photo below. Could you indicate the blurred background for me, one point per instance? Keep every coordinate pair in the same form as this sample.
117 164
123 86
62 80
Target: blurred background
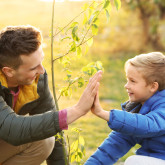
138 27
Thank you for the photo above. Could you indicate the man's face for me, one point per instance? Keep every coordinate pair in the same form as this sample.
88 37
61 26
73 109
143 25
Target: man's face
29 69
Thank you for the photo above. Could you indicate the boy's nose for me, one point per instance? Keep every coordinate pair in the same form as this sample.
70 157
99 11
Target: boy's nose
126 85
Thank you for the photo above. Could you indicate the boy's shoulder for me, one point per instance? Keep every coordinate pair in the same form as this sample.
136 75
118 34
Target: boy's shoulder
154 103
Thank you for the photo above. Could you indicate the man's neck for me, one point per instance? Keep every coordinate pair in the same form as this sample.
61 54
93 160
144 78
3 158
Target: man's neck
14 89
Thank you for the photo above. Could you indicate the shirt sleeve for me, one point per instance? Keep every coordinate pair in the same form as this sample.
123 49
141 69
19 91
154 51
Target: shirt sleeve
63 119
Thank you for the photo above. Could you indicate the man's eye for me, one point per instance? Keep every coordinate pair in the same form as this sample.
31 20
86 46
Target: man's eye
32 69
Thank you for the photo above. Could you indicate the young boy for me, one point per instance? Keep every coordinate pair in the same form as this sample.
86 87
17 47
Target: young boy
142 119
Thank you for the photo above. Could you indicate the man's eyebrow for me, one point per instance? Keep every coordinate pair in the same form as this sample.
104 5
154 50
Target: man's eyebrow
34 67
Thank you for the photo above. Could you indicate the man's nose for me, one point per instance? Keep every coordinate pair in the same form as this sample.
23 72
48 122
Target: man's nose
41 69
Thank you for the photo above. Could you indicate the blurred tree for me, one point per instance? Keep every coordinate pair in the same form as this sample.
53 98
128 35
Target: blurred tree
151 12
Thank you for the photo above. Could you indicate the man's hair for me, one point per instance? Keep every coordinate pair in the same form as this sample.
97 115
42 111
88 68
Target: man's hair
151 66
16 41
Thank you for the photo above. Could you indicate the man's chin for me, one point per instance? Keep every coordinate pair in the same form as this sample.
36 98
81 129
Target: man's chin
29 82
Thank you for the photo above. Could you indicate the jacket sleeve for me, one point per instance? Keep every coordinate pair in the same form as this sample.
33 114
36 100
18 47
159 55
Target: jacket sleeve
17 130
113 148
138 125
46 103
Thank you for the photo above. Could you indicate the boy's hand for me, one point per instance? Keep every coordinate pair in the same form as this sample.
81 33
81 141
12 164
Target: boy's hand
96 108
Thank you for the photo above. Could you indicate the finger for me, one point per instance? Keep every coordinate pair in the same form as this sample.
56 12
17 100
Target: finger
94 83
95 76
95 79
97 98
95 89
92 79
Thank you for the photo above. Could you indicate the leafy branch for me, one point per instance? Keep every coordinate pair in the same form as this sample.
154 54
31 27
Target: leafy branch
89 24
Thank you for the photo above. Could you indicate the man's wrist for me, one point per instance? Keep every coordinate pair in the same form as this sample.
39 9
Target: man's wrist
78 110
73 113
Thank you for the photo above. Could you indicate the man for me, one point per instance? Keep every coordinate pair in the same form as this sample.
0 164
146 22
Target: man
24 90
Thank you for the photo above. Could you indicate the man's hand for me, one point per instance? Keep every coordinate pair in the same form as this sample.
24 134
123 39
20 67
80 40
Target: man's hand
86 100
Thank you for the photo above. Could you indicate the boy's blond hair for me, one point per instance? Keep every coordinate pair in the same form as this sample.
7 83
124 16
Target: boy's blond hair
151 66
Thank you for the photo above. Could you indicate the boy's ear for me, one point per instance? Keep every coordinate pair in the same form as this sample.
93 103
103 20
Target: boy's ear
9 72
154 87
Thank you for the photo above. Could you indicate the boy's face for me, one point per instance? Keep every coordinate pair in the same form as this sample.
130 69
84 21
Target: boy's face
29 69
136 86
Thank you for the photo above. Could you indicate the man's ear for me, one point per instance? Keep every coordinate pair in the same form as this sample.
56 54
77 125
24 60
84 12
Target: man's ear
154 87
9 72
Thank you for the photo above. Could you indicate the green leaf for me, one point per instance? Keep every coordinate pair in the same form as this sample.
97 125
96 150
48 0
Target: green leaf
81 140
61 59
89 70
73 158
93 71
94 29
117 4
65 38
73 24
91 18
69 71
90 42
107 15
91 64
85 6
81 82
96 13
107 2
80 154
99 65
74 35
85 69
73 47
82 148
66 63
74 146
78 130
96 21
63 91
79 52
89 12
85 19
68 76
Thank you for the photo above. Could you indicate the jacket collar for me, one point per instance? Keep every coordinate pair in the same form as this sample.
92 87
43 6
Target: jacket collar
27 93
156 99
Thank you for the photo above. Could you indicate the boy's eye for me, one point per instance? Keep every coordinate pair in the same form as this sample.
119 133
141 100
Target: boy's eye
133 81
